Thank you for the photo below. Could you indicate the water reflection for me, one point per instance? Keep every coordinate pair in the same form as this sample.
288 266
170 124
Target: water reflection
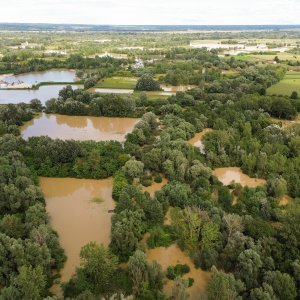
38 77
44 93
79 127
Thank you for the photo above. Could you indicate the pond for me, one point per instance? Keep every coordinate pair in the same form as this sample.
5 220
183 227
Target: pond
227 175
172 256
33 78
79 212
80 128
44 93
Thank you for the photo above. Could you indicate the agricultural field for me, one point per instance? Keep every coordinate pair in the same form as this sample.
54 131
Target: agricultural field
289 84
117 83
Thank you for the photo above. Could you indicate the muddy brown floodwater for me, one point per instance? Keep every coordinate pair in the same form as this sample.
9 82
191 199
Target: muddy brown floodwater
227 175
197 139
78 210
78 127
154 187
172 256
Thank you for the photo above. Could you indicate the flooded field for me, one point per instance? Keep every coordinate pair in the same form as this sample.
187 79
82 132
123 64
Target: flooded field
197 139
154 187
78 127
44 93
178 88
33 78
112 91
227 175
172 256
78 210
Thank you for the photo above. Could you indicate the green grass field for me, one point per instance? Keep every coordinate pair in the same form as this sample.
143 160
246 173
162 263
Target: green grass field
117 83
267 57
290 83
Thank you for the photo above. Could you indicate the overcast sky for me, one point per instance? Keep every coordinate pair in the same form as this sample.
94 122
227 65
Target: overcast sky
174 12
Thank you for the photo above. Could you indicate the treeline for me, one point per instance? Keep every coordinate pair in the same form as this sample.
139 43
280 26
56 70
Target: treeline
80 102
249 81
14 65
30 251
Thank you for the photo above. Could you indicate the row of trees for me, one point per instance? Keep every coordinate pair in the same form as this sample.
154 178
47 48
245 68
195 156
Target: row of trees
79 102
106 64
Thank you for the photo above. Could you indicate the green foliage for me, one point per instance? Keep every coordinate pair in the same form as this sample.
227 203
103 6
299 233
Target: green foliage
144 275
120 182
79 102
283 285
177 271
30 249
160 237
59 158
96 272
224 286
127 230
147 83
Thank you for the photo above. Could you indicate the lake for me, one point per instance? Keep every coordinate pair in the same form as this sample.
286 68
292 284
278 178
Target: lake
80 128
44 93
78 211
33 78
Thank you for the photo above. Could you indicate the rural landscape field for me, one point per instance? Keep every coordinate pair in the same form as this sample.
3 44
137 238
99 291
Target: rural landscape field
149 162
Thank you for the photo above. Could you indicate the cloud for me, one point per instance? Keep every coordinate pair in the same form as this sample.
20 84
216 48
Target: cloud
152 12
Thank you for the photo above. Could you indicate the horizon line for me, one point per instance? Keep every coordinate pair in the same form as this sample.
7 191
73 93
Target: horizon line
109 24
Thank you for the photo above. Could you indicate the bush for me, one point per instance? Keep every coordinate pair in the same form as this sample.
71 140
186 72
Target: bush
157 178
178 271
191 281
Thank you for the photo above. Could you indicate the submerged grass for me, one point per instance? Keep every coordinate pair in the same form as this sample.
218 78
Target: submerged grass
97 200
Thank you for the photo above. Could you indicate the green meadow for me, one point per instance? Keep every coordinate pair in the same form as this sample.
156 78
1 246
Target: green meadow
117 83
290 83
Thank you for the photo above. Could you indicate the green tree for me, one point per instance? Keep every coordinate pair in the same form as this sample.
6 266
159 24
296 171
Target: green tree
30 283
283 285
223 286
147 83
249 265
127 230
294 95
133 168
96 273
138 270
